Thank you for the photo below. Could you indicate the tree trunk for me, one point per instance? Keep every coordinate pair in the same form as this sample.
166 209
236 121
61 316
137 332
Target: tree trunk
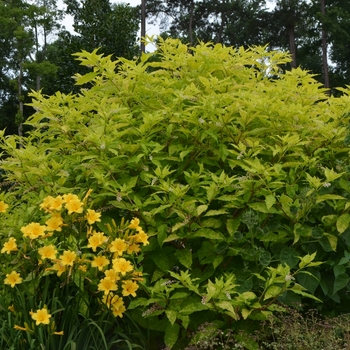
190 26
38 77
292 46
324 47
20 98
222 24
143 25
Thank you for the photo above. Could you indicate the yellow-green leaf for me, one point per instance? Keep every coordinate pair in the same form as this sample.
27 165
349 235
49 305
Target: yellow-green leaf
343 222
270 200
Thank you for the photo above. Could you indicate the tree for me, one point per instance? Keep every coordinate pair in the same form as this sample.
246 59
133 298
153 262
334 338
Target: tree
44 18
337 26
324 46
17 42
24 55
288 26
111 28
231 22
99 24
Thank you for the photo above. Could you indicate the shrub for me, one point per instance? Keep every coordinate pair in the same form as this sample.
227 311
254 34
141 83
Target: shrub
237 170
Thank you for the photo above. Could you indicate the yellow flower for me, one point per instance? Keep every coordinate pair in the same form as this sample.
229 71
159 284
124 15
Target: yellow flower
133 248
108 299
11 308
70 197
19 328
68 257
134 223
129 288
118 246
55 222
137 276
33 230
82 268
140 237
115 303
56 203
118 308
59 267
48 252
96 240
9 246
46 204
58 333
13 278
107 285
74 206
112 274
41 316
100 262
122 266
92 216
3 207
52 203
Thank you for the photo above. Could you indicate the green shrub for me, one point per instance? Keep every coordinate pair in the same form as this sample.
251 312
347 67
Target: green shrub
238 171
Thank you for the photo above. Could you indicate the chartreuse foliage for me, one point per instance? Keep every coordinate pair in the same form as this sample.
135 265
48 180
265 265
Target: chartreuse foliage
238 172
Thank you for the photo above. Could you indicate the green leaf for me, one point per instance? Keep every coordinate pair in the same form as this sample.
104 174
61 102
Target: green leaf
308 281
262 208
171 335
245 313
331 175
179 295
159 209
265 258
162 234
289 256
171 314
232 226
211 222
343 222
162 261
229 310
86 78
216 212
317 232
191 305
325 197
201 209
138 302
306 260
212 191
172 237
272 292
340 282
208 233
185 257
298 289
270 200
